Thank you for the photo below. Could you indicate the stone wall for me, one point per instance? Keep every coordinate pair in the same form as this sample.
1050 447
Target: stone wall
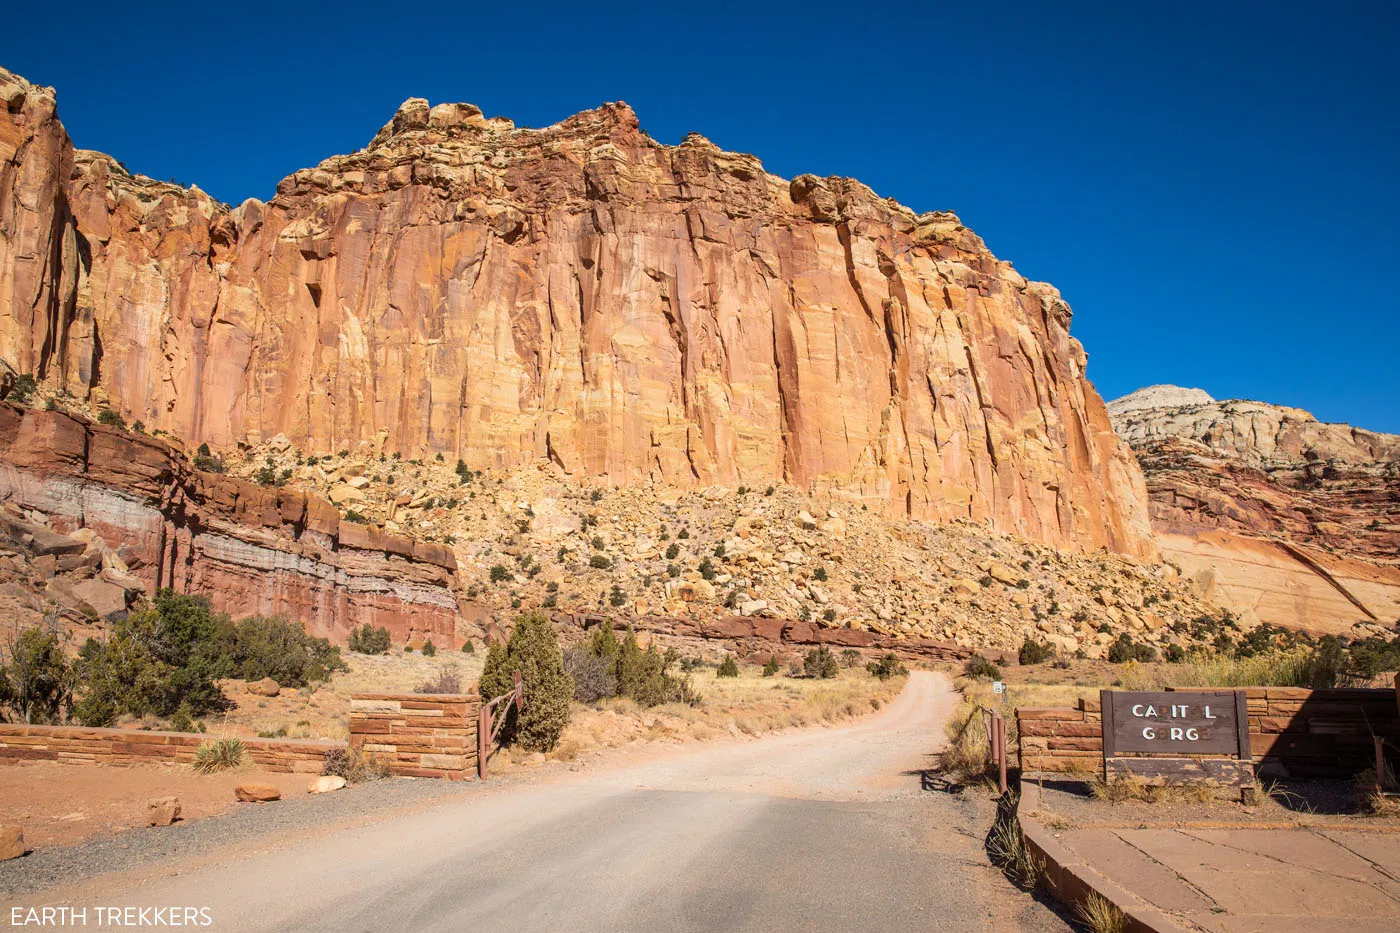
417 734
1293 732
251 549
79 745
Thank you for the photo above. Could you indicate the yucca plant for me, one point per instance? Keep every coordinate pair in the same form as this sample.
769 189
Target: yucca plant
219 755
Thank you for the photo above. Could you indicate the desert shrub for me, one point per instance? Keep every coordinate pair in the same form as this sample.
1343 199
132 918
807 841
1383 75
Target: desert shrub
369 639
172 651
36 679
594 676
771 667
967 756
707 569
979 668
109 417
1125 649
644 675
672 551
820 662
888 666
448 680
599 562
828 614
728 667
1175 654
820 573
354 765
182 721
275 647
850 657
23 390
429 649
617 596
1034 652
468 647
533 650
1101 915
219 755
208 464
499 574
353 516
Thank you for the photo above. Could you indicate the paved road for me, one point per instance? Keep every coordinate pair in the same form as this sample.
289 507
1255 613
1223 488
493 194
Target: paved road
825 829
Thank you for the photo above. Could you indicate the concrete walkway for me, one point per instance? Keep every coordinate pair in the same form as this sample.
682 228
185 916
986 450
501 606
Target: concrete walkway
1307 879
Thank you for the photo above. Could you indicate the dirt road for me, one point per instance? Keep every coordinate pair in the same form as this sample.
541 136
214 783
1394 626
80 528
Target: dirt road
812 830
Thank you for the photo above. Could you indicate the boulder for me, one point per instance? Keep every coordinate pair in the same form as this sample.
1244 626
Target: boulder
257 793
48 542
11 842
325 784
1003 574
267 687
162 811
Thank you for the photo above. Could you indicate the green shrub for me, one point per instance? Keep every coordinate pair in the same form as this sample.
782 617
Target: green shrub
277 648
820 662
770 668
1175 654
23 390
707 569
182 721
599 562
36 679
979 668
728 667
533 650
672 550
369 639
1125 649
353 516
820 573
850 657
171 652
468 647
889 666
208 464
829 614
499 574
109 417
1034 652
617 596
219 755
429 649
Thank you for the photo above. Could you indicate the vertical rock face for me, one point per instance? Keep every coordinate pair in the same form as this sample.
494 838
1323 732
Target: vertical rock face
1285 518
581 293
252 550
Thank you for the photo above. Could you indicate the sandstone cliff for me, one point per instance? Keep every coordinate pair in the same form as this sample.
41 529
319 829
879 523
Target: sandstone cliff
579 293
252 550
1282 517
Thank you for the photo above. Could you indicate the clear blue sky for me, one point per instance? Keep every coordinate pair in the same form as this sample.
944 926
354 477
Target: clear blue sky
1213 187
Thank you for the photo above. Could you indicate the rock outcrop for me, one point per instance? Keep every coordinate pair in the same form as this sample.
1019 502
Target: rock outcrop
163 523
629 310
1279 516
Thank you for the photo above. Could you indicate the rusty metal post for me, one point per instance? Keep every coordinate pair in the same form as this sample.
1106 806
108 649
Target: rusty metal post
483 739
1380 764
1001 751
519 693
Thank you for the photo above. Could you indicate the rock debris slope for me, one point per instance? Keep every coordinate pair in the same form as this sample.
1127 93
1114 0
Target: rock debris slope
580 293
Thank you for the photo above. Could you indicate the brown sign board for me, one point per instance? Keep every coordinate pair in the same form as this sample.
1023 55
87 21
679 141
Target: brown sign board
1181 724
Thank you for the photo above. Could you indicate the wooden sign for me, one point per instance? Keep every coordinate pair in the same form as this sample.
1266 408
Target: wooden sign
1177 737
1180 724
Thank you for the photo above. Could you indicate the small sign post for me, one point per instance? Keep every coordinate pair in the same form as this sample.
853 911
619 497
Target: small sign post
1173 737
998 687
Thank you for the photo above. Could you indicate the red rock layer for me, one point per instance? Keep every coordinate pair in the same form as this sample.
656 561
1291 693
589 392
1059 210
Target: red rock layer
627 309
252 550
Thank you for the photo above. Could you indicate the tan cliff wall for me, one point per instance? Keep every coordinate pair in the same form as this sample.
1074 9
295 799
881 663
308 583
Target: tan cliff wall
581 293
1277 516
252 550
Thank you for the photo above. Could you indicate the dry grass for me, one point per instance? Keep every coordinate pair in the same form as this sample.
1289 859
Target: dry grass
323 711
1101 915
750 705
1135 788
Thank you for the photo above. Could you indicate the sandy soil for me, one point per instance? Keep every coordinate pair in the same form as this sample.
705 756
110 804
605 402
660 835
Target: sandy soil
59 804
